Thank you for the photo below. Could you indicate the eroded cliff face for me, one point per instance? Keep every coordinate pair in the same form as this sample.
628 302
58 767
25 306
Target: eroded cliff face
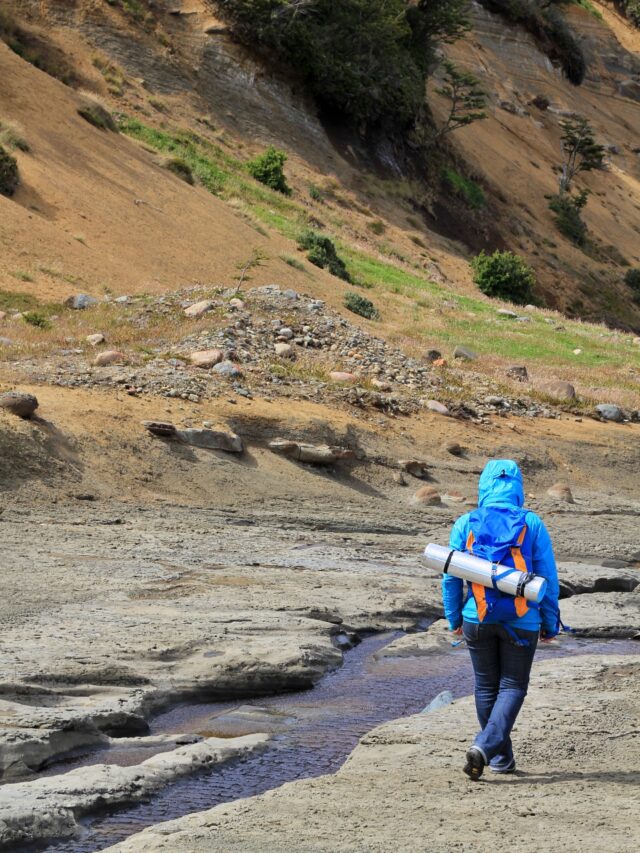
181 52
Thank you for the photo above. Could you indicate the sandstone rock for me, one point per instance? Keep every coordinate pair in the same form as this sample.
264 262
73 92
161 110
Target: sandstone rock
343 376
427 496
110 356
206 358
228 369
560 390
236 304
464 353
609 412
519 372
94 340
303 452
610 614
198 309
578 578
160 428
80 301
432 355
18 403
561 492
435 406
210 439
414 467
285 351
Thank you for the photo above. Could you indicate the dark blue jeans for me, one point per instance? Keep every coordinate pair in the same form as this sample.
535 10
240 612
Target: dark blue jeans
501 669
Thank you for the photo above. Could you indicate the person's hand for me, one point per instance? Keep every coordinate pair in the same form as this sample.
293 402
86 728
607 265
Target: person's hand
458 631
547 638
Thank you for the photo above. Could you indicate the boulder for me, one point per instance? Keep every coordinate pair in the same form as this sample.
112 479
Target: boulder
561 492
206 358
435 406
211 439
285 351
18 403
236 304
427 496
80 301
95 340
198 309
414 467
228 369
160 428
519 372
609 412
464 353
110 356
560 390
303 452
343 376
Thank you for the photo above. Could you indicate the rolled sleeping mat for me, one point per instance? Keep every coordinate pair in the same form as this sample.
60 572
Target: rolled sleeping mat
476 570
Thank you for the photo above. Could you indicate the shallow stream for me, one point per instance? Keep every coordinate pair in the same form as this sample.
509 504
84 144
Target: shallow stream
318 729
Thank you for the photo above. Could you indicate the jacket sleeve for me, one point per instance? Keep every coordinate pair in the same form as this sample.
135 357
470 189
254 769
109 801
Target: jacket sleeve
453 588
544 564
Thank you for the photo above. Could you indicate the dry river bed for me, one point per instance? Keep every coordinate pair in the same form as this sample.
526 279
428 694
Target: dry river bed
113 613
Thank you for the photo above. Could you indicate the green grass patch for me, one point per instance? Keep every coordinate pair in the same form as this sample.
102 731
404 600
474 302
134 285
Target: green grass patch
464 188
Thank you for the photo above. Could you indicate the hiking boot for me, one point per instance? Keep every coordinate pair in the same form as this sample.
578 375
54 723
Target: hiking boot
510 768
475 763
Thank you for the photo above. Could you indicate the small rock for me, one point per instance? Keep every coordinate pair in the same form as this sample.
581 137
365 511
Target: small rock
427 496
561 492
441 362
206 358
285 351
435 406
5 342
432 355
453 448
343 376
228 369
414 467
122 300
18 403
303 452
504 312
494 400
94 340
519 372
110 356
198 309
454 497
293 296
464 353
160 428
609 412
80 301
236 304
577 351
441 701
561 390
285 333
381 385
3 316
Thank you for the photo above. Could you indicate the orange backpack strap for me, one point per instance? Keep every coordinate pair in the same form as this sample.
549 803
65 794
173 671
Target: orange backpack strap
520 563
477 590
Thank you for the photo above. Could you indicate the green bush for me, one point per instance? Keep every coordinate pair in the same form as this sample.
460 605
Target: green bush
11 137
566 209
365 59
504 275
322 253
97 115
361 305
466 189
181 169
315 193
632 280
9 177
36 318
268 168
632 11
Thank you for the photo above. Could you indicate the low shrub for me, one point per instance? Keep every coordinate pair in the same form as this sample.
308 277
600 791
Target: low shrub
361 305
464 188
315 193
11 137
268 168
181 169
504 275
322 253
95 113
377 226
566 209
36 318
632 280
9 176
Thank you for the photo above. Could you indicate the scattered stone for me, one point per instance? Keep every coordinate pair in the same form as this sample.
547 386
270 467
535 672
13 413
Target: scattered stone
5 342
80 301
228 369
286 333
435 406
441 362
399 478
207 358
236 304
464 353
519 372
210 439
162 429
381 385
291 294
343 376
198 309
285 351
432 355
110 356
560 390
122 300
3 316
414 467
94 340
18 403
561 492
427 496
505 312
494 400
609 412
303 452
454 448
577 351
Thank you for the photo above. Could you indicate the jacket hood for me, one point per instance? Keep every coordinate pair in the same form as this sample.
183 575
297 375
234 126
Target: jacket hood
501 484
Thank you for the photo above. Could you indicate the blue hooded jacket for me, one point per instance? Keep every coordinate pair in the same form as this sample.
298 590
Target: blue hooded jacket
501 486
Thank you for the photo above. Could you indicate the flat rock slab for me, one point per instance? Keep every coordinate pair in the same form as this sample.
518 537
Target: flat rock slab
211 439
608 614
402 789
51 807
322 454
576 578
438 639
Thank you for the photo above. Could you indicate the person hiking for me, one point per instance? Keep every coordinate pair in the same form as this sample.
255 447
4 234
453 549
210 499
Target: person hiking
501 631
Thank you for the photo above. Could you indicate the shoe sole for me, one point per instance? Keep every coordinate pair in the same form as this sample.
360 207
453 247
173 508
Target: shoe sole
474 766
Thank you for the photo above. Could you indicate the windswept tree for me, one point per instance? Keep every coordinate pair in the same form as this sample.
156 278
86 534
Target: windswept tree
467 99
581 152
